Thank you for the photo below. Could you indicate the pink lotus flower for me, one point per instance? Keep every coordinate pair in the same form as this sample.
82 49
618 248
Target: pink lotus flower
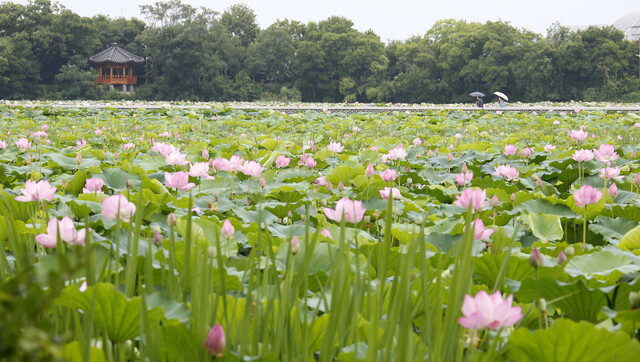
611 173
526 152
587 195
310 162
335 147
93 184
163 149
549 147
556 122
355 129
251 168
227 230
398 153
464 178
388 175
395 193
23 144
216 341
352 211
320 181
578 135
128 146
369 171
326 233
199 169
179 181
489 311
282 161
479 232
220 164
509 173
510 150
118 204
582 155
606 153
475 197
3 145
417 141
234 164
67 232
613 190
33 191
176 158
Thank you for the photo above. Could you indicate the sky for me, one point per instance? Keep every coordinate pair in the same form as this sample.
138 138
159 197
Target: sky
396 19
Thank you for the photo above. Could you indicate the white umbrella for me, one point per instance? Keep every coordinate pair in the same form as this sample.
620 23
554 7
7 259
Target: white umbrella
501 95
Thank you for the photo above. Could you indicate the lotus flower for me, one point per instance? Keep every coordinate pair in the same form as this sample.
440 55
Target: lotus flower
464 178
369 171
251 168
395 193
234 164
67 232
176 158
335 147
506 171
587 195
549 147
199 169
611 173
23 144
282 161
510 150
352 211
479 232
578 135
216 341
388 175
3 145
417 141
489 311
474 197
33 191
606 153
220 164
398 153
582 155
93 184
227 230
118 204
163 149
179 181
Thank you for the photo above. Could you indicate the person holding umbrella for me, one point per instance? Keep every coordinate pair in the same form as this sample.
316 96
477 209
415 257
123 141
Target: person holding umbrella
501 98
479 101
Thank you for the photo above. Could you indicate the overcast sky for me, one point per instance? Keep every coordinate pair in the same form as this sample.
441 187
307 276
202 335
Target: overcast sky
396 19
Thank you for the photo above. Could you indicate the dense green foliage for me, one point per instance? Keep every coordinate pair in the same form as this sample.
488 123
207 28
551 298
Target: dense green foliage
201 54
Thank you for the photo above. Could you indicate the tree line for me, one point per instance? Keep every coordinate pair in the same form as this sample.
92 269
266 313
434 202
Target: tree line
203 55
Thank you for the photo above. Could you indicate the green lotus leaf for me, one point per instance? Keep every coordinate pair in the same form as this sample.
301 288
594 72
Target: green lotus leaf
544 226
612 230
631 239
570 341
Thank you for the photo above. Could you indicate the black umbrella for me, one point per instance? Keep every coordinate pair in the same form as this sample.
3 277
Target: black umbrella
476 94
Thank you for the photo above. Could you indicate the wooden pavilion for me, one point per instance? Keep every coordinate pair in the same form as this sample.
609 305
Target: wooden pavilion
115 67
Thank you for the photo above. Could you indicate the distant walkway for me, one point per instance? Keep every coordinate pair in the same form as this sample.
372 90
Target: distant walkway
346 110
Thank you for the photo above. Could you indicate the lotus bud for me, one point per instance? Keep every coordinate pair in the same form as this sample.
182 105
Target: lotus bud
216 341
513 197
248 202
323 202
449 157
569 250
129 184
494 201
419 220
116 154
538 182
535 259
171 219
409 181
329 186
369 172
340 186
285 221
636 178
561 258
542 304
634 300
430 153
613 190
633 154
79 158
262 182
295 245
366 218
465 169
227 229
157 238
205 154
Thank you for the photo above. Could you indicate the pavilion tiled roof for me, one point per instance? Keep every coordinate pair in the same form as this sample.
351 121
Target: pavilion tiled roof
115 54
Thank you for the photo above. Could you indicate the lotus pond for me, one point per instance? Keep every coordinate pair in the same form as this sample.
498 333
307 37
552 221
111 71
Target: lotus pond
199 234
